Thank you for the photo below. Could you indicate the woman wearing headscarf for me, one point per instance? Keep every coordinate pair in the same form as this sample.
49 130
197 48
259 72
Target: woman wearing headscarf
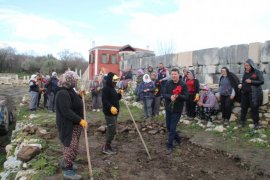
146 93
34 92
69 120
139 80
207 105
228 90
252 95
193 86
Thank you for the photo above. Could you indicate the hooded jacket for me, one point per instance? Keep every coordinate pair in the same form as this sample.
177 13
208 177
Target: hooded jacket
254 88
109 96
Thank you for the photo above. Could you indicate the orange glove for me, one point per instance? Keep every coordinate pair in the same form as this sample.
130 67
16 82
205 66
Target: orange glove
113 110
83 123
156 91
121 91
197 97
82 92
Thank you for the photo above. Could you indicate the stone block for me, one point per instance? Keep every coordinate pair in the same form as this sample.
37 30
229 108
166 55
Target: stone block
198 70
216 78
266 68
265 52
265 96
237 54
235 68
209 69
208 79
223 55
254 51
183 59
262 67
206 56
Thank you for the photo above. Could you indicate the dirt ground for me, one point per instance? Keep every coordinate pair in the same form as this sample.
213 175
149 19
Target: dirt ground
190 160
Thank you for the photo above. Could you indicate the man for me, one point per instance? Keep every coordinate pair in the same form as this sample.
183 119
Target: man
110 101
163 76
174 102
252 94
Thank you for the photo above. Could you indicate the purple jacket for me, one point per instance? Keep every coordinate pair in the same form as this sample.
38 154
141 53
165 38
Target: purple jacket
209 100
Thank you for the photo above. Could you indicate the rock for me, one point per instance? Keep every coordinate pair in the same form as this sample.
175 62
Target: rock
26 153
233 118
258 140
263 136
265 96
122 129
236 110
209 129
48 136
267 115
31 116
144 129
30 129
24 166
12 164
132 132
102 129
25 174
264 122
251 126
9 149
187 122
219 128
153 132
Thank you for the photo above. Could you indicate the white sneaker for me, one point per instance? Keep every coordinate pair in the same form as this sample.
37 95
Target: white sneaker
209 124
94 110
98 110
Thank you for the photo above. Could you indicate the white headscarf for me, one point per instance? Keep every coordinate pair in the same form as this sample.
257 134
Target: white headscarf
146 78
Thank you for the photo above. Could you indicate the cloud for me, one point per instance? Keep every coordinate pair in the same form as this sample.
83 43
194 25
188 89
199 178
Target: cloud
29 32
203 24
125 7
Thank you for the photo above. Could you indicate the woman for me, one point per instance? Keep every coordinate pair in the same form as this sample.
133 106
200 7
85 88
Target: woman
193 94
34 92
96 91
207 105
69 120
146 93
227 88
252 94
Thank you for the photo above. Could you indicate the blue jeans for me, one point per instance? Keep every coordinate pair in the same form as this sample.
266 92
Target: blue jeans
172 120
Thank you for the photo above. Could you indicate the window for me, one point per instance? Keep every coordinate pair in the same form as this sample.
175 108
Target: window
113 59
104 58
91 58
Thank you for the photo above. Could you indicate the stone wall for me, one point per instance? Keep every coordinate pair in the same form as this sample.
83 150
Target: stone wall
208 62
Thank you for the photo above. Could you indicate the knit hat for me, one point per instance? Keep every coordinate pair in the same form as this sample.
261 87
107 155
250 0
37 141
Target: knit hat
68 79
140 71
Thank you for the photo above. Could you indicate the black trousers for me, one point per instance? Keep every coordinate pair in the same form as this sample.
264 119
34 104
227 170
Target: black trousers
191 105
246 102
226 107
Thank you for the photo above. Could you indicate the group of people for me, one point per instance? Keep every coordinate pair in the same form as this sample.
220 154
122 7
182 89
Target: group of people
177 90
43 86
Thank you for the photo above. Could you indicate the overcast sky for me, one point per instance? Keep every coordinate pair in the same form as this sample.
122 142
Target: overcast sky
50 26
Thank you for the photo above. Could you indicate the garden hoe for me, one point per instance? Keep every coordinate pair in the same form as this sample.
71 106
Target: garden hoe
136 127
86 142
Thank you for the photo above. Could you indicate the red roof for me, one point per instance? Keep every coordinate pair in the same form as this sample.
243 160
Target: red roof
118 47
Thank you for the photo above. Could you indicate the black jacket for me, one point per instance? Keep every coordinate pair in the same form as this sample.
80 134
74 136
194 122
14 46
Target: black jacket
109 96
179 102
254 88
69 112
